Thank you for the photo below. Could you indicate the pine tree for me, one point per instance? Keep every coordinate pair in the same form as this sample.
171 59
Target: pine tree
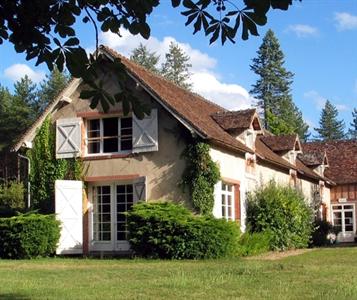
330 127
176 66
17 110
352 132
273 89
5 107
54 83
142 56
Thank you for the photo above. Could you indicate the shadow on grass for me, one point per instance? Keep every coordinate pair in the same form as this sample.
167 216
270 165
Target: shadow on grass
13 296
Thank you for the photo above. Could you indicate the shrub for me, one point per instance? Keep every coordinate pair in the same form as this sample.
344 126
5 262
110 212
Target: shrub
320 234
12 195
253 243
28 236
168 230
283 212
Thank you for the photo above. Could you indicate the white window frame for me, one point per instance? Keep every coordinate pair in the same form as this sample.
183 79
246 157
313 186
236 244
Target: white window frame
224 206
101 136
342 211
113 244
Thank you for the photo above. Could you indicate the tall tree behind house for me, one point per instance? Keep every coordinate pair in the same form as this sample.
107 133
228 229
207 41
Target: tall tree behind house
352 132
142 56
330 127
19 110
176 66
273 90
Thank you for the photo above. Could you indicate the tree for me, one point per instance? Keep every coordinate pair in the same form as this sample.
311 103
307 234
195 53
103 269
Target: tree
5 107
54 83
142 56
48 34
352 132
176 66
21 113
330 127
273 90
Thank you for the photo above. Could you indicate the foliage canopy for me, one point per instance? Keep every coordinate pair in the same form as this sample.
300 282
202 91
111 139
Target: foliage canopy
48 33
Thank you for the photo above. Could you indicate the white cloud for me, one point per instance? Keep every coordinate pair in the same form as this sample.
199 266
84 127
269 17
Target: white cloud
17 71
345 21
320 101
204 79
302 30
230 96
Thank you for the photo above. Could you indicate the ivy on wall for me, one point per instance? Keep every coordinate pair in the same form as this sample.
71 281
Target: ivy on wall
200 176
46 169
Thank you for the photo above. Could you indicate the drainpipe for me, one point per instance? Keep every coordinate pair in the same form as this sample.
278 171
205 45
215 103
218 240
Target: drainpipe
28 179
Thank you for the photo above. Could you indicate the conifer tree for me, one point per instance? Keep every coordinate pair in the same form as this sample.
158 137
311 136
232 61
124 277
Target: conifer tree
352 132
330 127
273 89
176 66
142 56
54 83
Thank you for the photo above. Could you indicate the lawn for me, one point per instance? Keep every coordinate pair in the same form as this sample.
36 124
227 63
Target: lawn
318 274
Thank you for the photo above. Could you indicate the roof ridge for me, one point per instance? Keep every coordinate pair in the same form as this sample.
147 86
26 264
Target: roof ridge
116 53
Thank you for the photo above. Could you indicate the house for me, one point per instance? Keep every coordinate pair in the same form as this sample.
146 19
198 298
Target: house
127 159
341 159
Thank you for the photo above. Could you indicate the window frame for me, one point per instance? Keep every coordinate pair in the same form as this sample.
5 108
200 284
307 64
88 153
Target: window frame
101 136
225 206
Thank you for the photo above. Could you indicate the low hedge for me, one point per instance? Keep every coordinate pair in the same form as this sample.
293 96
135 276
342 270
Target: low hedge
254 243
28 236
168 230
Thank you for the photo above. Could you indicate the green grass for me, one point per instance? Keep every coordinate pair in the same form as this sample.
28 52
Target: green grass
319 274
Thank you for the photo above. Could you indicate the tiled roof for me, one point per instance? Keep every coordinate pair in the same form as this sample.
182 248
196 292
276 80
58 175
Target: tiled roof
192 108
230 120
342 159
280 142
265 153
313 158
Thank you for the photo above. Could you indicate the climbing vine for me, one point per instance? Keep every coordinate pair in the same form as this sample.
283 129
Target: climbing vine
200 176
46 169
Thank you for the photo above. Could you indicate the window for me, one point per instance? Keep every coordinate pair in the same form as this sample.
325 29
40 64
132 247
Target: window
111 202
249 138
109 135
102 214
227 201
124 203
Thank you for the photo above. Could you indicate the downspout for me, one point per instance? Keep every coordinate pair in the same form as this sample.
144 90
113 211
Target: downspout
28 178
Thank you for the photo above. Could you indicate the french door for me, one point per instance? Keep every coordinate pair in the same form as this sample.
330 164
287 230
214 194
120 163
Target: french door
344 220
110 202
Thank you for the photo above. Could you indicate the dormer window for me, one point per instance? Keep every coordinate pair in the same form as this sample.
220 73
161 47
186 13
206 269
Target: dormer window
249 138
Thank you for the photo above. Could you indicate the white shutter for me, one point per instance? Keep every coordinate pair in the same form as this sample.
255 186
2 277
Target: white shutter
139 187
68 203
145 133
68 138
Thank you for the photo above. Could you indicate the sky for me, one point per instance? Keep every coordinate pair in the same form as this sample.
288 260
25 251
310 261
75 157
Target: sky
318 38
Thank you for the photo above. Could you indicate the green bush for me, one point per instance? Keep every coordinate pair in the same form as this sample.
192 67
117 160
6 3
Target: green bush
320 234
168 230
28 236
253 243
283 212
12 195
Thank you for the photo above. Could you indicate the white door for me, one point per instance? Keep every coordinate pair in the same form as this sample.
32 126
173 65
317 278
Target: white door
110 202
68 208
344 220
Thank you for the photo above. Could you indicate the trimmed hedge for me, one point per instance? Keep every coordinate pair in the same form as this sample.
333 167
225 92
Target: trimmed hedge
168 230
28 236
284 213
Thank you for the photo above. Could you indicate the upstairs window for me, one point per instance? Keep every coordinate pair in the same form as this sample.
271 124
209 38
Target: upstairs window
109 135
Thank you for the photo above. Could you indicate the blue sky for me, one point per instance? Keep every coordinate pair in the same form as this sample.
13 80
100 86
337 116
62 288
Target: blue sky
318 38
